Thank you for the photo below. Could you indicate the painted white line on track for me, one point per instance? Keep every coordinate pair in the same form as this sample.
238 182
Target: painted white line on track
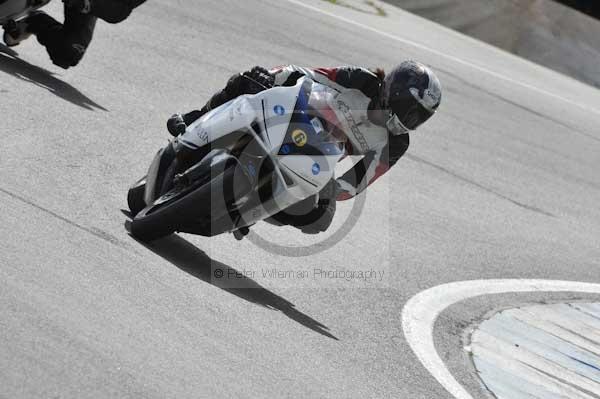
447 56
422 310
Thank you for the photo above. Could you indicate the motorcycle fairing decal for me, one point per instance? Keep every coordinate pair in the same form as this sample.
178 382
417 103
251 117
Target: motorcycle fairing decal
316 169
317 125
299 137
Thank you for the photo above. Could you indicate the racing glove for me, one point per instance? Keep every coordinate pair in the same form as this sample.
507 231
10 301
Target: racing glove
257 79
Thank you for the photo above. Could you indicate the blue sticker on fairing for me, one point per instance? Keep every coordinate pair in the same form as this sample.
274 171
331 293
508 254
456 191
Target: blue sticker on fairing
279 110
285 149
316 169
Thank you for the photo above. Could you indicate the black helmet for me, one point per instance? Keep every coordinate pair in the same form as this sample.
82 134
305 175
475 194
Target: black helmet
412 93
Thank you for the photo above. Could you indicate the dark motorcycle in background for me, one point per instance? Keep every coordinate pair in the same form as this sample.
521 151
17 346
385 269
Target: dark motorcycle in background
14 10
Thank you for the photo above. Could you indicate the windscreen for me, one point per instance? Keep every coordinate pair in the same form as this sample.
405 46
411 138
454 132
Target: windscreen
313 123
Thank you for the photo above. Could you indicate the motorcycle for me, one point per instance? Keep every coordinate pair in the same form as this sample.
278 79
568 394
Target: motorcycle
243 162
14 10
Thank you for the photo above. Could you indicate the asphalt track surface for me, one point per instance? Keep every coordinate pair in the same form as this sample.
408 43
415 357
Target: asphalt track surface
503 183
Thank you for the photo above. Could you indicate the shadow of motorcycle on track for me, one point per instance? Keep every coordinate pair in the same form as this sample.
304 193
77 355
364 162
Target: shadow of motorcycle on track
195 262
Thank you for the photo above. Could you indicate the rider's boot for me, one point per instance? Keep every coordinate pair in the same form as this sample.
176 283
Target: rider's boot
176 125
15 32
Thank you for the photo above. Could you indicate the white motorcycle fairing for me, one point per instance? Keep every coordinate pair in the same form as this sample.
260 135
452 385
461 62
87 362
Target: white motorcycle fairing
255 156
294 137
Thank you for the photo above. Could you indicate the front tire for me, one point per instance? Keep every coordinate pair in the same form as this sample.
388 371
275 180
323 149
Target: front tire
135 196
203 209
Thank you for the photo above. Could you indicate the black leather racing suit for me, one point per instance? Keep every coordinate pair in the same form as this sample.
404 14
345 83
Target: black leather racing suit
311 215
66 43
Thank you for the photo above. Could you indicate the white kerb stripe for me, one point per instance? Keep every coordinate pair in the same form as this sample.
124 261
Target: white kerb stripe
421 311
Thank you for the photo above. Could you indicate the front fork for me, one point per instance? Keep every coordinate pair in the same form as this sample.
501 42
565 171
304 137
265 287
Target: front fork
186 157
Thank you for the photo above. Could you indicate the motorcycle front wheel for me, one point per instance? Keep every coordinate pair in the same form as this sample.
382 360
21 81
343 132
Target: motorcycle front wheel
201 208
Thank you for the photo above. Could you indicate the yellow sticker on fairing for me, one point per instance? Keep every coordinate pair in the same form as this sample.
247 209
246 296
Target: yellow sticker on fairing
300 138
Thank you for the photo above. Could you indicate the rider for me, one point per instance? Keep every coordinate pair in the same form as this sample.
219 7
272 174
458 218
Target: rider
398 102
66 43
